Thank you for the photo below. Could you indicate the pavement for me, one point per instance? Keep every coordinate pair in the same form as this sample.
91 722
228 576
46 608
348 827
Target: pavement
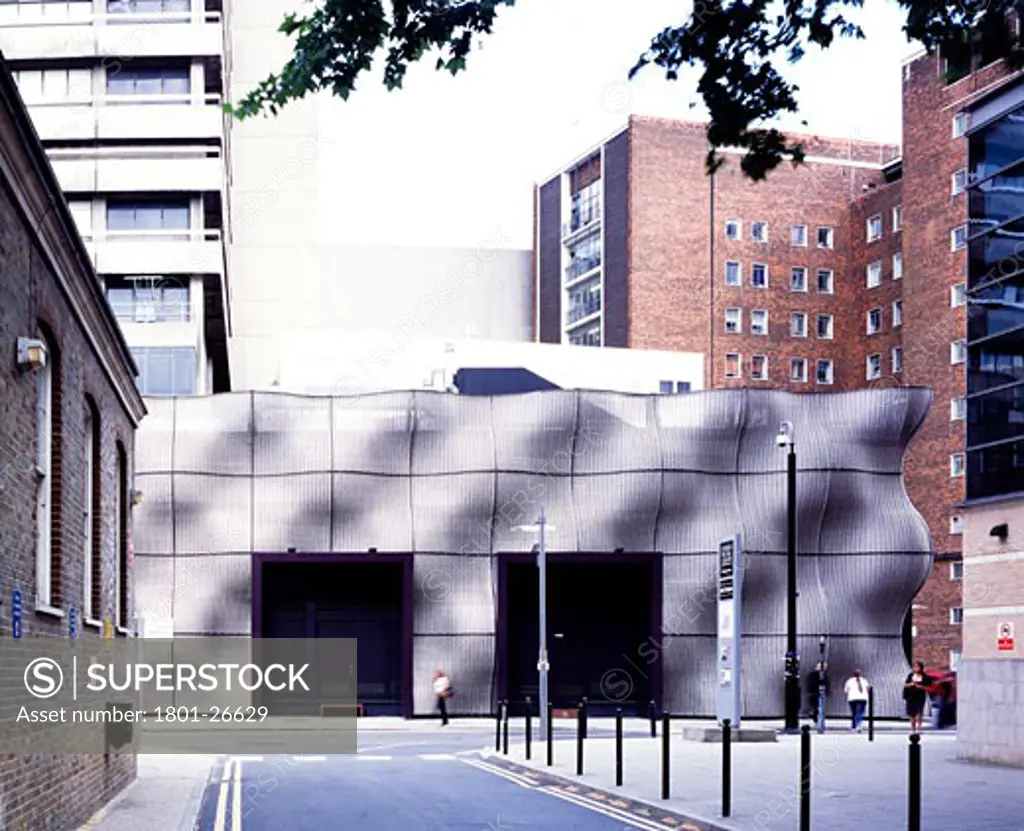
412 775
855 784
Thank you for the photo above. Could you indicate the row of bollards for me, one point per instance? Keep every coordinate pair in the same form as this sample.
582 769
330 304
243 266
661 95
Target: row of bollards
501 742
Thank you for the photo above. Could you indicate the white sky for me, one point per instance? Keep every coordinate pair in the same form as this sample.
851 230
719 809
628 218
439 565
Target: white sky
447 160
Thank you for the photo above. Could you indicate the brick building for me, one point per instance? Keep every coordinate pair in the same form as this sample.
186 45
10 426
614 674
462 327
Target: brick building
844 272
66 458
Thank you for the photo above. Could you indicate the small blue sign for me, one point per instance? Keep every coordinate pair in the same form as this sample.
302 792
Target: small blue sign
16 613
72 623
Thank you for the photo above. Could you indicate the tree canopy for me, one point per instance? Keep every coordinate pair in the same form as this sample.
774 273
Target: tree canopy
741 47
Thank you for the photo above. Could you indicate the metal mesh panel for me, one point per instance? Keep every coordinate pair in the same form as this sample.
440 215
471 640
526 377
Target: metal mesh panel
452 434
535 433
696 511
212 514
690 595
154 438
453 594
154 586
520 497
213 434
762 509
292 434
373 433
153 520
469 662
617 511
292 512
453 513
213 595
701 432
624 430
371 512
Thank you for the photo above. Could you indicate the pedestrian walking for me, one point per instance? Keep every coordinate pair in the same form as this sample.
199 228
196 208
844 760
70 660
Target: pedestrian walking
443 691
817 679
915 694
856 690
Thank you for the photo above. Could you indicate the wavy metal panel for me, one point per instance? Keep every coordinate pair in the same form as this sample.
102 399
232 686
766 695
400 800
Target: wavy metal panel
468 661
212 514
154 586
153 520
154 438
213 595
453 513
372 433
292 512
371 512
452 434
292 434
453 594
213 434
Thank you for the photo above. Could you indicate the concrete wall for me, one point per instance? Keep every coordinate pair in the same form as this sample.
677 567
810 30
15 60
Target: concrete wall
991 706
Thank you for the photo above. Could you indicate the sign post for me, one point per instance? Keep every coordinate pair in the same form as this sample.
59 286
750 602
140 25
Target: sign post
17 611
1005 637
72 623
730 582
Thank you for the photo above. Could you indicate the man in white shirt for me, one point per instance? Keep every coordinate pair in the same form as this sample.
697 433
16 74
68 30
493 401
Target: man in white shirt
442 689
857 695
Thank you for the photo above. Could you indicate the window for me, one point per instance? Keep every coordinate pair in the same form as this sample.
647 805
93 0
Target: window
682 386
956 615
798 324
92 516
759 276
48 470
121 539
733 229
874 321
759 322
959 181
732 274
161 81
798 235
149 299
734 320
166 370
824 374
956 570
960 123
954 659
957 295
897 266
956 465
798 370
759 367
897 360
759 231
897 218
55 86
665 387
958 238
825 237
798 279
825 327
874 367
147 216
146 6
874 228
825 285
874 273
897 313
956 526
958 408
958 352
668 388
733 365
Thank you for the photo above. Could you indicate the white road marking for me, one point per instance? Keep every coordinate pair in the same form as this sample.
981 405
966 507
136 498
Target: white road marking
231 776
607 810
497 771
374 758
436 757
309 758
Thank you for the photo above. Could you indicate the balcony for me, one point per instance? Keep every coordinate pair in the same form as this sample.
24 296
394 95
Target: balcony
25 36
157 252
138 170
581 266
581 310
582 217
130 117
151 310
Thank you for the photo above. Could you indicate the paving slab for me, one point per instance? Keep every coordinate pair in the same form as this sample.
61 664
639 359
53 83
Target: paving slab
855 784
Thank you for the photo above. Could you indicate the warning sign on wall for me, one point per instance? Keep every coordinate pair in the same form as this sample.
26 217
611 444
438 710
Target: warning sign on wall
1005 637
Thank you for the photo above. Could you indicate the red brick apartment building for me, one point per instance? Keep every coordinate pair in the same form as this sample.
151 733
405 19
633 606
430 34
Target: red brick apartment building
844 272
68 413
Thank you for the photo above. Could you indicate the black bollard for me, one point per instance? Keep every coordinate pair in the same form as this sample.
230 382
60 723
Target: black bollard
871 714
805 778
529 727
618 747
586 717
579 740
726 768
506 727
914 790
654 722
497 730
551 734
664 756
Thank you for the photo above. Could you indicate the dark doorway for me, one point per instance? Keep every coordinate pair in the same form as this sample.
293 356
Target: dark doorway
361 600
600 614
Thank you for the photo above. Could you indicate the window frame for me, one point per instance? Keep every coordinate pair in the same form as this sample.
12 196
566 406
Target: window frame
793 362
959 345
877 357
874 267
897 313
792 273
753 268
831 326
737 225
759 312
953 245
831 280
957 465
831 371
956 612
953 304
896 366
739 364
735 312
897 270
868 316
764 376
793 235
793 318
956 574
831 237
897 218
739 273
761 224
958 408
881 228
958 181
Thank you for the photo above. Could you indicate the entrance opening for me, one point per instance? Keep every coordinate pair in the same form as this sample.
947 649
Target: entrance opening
600 616
343 600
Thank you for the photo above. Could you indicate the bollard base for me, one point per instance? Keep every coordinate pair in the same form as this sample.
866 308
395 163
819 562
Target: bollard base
714 734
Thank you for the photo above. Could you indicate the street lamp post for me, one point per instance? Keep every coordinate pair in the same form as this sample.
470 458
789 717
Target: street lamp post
787 441
543 666
822 681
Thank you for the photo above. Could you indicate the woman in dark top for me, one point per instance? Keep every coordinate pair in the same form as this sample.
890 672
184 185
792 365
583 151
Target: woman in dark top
915 694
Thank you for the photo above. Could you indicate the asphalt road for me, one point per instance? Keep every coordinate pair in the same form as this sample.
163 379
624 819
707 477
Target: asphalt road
401 781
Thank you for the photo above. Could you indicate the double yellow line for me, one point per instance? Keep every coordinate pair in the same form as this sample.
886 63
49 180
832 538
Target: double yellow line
230 789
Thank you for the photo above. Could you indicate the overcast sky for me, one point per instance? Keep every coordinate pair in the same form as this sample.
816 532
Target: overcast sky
446 161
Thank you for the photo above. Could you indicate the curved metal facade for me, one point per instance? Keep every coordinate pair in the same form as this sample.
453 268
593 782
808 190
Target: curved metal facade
447 478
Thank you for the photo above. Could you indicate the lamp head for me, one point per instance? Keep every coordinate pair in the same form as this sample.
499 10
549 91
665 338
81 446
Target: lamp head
785 436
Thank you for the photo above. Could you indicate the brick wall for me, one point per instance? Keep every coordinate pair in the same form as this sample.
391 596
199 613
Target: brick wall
51 792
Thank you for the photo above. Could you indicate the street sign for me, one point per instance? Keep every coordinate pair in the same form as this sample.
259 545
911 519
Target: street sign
1005 637
16 613
730 581
72 623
